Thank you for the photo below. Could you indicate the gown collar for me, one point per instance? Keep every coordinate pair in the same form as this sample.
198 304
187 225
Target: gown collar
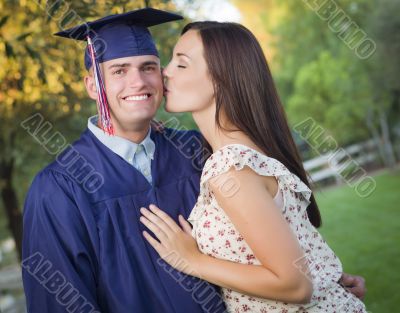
126 149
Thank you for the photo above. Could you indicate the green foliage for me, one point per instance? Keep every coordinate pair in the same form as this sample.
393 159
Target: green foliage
319 76
323 90
385 26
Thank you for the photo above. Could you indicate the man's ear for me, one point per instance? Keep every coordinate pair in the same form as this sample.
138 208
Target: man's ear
91 86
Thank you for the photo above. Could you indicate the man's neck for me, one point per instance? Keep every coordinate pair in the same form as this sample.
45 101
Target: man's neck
136 135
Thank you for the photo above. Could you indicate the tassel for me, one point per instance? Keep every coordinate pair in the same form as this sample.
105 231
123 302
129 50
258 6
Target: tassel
102 103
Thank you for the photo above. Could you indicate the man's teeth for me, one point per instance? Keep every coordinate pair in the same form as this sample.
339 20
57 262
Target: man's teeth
137 98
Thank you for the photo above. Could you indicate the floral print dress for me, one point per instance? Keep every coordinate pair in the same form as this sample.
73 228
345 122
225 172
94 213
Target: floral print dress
217 236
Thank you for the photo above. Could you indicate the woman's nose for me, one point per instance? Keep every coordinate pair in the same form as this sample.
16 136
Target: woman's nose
165 75
165 71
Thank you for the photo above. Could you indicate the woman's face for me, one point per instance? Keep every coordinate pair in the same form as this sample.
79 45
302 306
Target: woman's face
188 86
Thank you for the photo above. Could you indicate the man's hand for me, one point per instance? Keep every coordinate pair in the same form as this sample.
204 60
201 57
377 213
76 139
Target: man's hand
354 284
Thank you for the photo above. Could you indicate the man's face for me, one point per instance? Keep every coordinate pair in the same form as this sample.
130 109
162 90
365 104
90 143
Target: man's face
134 91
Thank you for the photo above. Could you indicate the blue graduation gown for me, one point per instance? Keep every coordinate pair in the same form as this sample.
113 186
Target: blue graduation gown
83 248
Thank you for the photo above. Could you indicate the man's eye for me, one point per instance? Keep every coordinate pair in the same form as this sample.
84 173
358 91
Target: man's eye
118 72
181 66
149 68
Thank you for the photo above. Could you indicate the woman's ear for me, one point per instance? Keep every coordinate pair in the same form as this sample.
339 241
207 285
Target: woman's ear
91 86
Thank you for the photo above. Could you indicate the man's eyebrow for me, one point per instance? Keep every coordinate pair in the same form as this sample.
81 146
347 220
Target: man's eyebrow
146 63
180 54
119 65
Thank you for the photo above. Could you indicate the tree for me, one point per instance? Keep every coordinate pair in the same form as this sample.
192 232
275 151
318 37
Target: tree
323 90
261 16
383 68
303 41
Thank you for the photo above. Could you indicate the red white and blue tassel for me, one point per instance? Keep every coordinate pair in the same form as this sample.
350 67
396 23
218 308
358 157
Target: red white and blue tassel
102 103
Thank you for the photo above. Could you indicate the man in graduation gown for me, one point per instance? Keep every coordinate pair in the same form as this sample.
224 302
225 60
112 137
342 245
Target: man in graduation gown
83 249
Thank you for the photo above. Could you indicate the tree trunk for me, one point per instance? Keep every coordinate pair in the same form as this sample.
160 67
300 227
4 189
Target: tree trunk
375 135
10 201
390 159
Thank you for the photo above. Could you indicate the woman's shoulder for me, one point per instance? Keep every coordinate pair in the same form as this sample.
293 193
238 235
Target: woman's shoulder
238 156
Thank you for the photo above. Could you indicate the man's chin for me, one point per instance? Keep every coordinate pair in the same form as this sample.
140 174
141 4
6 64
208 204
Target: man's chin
130 120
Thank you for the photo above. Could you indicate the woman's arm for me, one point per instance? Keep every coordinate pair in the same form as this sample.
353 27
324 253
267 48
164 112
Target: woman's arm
262 225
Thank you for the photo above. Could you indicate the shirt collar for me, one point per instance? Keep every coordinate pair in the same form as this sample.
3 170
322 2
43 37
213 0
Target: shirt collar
126 149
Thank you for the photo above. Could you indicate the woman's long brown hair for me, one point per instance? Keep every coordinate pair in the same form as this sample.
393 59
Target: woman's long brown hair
246 94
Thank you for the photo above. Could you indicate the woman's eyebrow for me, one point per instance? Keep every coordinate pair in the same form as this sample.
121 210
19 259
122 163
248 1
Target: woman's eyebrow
180 54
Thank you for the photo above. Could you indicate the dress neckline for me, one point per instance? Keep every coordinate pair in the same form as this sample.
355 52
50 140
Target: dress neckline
238 144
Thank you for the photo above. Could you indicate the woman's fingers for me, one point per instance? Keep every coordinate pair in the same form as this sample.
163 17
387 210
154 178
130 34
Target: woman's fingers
175 248
157 231
154 243
185 225
156 220
165 217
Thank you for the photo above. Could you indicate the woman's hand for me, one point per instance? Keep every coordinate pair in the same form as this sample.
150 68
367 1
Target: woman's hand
175 245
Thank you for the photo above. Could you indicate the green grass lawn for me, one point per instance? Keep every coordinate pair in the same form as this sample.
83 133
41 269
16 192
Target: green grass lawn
365 234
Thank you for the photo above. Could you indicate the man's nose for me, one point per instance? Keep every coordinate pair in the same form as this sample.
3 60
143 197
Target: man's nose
136 79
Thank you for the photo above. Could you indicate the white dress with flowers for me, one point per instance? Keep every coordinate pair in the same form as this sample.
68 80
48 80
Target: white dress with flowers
217 236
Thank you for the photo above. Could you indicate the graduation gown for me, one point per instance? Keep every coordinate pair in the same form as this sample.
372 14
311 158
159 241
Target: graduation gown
83 248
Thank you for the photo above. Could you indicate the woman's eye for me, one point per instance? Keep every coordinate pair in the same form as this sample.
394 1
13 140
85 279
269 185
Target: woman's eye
181 66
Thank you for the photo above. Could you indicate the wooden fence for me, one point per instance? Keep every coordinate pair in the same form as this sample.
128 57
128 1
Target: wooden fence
335 164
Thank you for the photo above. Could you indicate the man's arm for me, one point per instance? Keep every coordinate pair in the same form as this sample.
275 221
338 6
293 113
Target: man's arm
58 255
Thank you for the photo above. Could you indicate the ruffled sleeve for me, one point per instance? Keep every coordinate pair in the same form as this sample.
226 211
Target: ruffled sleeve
238 156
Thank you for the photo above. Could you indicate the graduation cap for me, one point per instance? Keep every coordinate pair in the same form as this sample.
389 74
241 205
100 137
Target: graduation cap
113 37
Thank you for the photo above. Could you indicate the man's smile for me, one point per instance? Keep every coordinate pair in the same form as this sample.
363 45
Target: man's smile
139 97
